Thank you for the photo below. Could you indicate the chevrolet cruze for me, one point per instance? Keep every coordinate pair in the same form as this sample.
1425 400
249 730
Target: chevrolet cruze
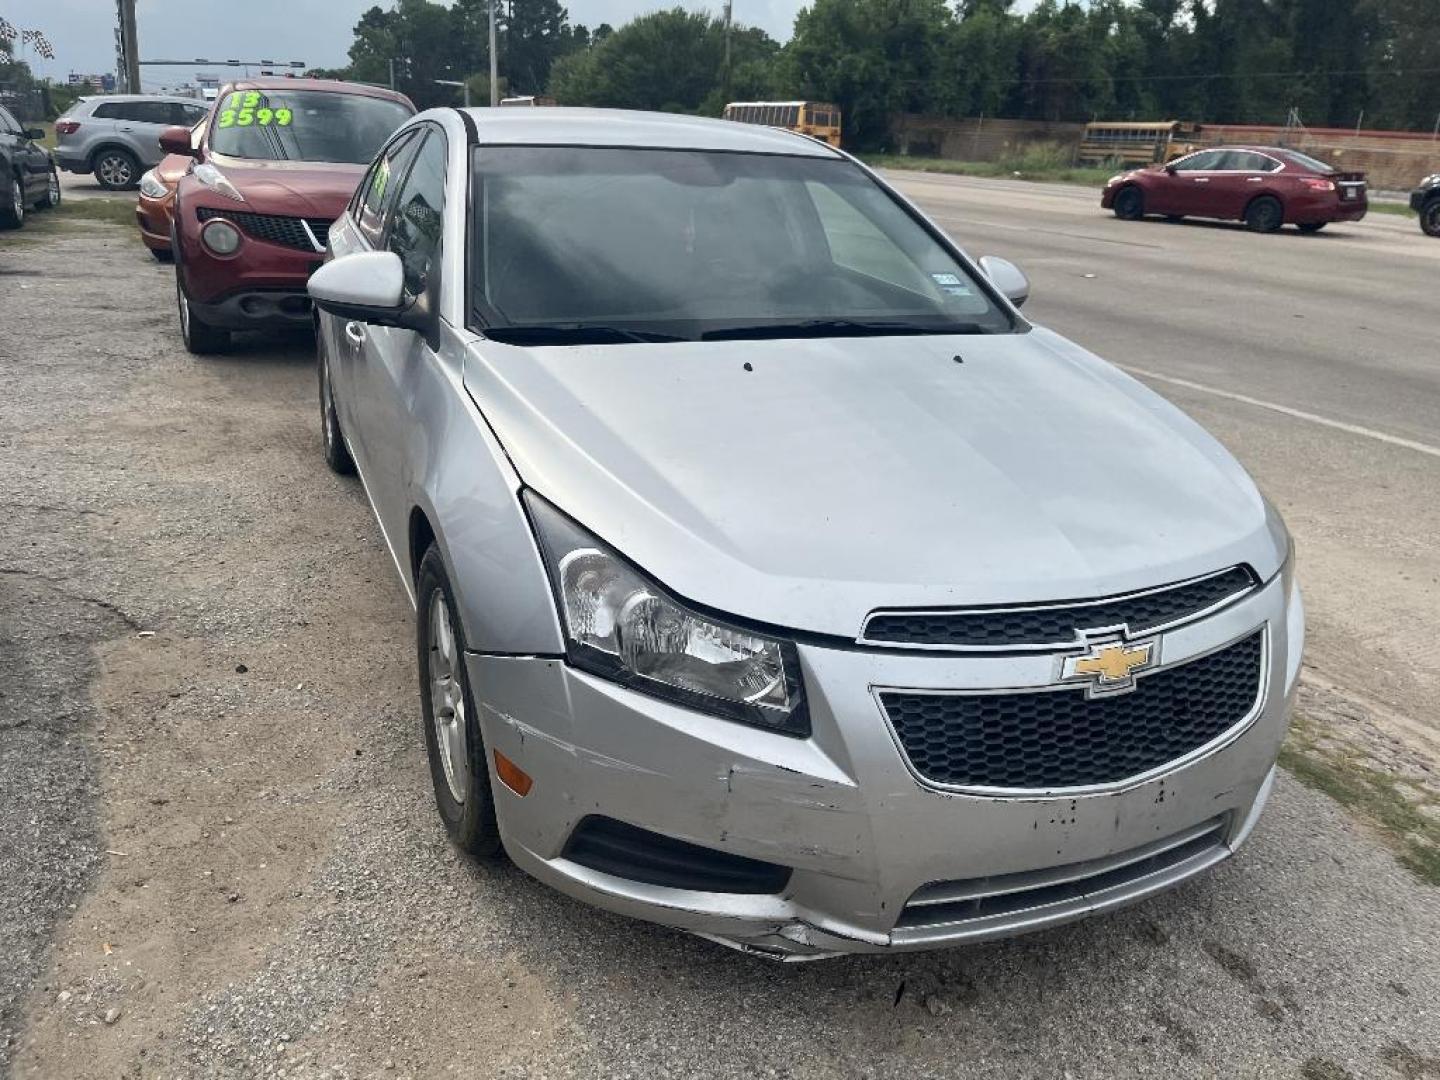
774 577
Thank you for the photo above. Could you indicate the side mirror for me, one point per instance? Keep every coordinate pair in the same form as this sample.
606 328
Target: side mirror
176 140
35 134
1008 278
368 286
1170 169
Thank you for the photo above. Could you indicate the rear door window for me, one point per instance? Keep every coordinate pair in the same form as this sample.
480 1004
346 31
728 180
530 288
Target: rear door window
1205 161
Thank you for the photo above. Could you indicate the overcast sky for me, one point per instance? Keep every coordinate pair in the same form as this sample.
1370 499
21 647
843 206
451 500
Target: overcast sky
315 31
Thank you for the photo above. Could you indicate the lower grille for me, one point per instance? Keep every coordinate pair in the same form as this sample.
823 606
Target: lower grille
627 851
274 228
1007 897
1053 739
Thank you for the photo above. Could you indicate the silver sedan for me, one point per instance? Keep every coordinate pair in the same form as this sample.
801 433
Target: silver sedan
774 577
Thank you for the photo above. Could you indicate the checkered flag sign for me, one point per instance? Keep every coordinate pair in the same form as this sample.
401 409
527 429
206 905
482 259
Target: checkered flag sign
39 42
7 32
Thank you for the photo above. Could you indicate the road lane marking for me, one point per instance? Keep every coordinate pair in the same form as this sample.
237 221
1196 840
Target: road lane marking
1299 414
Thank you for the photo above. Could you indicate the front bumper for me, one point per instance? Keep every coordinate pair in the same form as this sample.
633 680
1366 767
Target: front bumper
881 860
261 286
1420 196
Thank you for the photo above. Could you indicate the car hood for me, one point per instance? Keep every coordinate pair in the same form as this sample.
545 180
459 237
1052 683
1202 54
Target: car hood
293 188
807 483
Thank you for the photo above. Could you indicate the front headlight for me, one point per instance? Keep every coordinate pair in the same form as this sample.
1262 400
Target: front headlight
217 181
151 187
621 626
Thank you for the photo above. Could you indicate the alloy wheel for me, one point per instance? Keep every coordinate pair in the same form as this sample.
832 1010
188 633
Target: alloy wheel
115 170
447 698
17 200
1430 217
53 191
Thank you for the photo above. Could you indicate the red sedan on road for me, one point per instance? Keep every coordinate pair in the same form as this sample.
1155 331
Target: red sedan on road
1263 186
279 160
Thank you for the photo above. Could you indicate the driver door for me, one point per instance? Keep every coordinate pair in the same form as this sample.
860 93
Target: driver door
1184 185
391 361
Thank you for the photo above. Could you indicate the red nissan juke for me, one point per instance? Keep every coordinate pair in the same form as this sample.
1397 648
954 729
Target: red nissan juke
279 161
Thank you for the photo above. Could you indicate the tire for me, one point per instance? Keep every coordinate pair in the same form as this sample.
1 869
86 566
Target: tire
1264 214
1129 204
1310 226
1430 217
455 748
51 198
201 339
12 204
163 255
337 454
116 169
1174 217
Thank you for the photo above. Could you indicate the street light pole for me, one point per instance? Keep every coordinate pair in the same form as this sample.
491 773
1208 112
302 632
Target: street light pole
494 65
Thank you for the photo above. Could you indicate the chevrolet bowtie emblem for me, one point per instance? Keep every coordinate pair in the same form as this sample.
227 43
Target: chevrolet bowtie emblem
1110 668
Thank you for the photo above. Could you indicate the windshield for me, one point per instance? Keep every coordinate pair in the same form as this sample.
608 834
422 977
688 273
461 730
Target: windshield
304 125
589 244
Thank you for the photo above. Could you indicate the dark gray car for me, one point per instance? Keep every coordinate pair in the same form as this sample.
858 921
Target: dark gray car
27 175
117 137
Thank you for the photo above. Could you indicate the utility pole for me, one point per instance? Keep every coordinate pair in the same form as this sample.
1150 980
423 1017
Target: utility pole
726 82
130 47
494 62
392 73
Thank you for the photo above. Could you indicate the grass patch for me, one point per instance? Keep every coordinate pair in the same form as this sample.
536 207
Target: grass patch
113 211
1395 808
1040 162
1398 209
72 215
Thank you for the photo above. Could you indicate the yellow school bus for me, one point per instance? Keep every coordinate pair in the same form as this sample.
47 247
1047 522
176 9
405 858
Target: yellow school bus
815 118
1132 143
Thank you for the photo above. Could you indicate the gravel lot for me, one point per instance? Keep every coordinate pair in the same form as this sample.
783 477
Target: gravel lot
218 856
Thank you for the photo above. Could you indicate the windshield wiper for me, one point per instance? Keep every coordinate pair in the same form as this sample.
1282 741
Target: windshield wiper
574 334
823 328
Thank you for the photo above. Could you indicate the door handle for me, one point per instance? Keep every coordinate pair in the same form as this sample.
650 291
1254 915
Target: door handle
1254 179
355 332
1202 179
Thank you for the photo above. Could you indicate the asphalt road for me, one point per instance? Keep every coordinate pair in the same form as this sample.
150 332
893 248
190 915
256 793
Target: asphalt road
218 856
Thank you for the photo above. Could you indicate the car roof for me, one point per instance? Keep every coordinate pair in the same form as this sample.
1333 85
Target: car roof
100 99
332 85
648 130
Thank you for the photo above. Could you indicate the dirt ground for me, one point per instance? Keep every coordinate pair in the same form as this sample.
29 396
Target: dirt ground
218 856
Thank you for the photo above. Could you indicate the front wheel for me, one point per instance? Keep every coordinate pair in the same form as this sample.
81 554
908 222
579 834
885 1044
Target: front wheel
1430 217
1264 214
1310 226
1129 204
12 204
200 337
452 723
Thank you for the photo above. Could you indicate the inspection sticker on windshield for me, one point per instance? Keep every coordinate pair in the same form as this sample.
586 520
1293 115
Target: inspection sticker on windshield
243 110
951 284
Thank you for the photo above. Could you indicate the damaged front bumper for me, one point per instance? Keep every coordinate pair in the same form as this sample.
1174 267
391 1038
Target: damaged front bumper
878 859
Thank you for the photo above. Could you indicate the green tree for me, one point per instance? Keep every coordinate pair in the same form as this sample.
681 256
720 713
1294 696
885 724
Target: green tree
873 58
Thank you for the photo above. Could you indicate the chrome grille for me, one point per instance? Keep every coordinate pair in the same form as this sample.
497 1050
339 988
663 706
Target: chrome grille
1054 739
1059 623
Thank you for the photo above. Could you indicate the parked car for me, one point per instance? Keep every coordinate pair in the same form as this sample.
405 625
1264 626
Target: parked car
774 577
116 136
278 160
1425 201
27 174
156 202
1263 186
